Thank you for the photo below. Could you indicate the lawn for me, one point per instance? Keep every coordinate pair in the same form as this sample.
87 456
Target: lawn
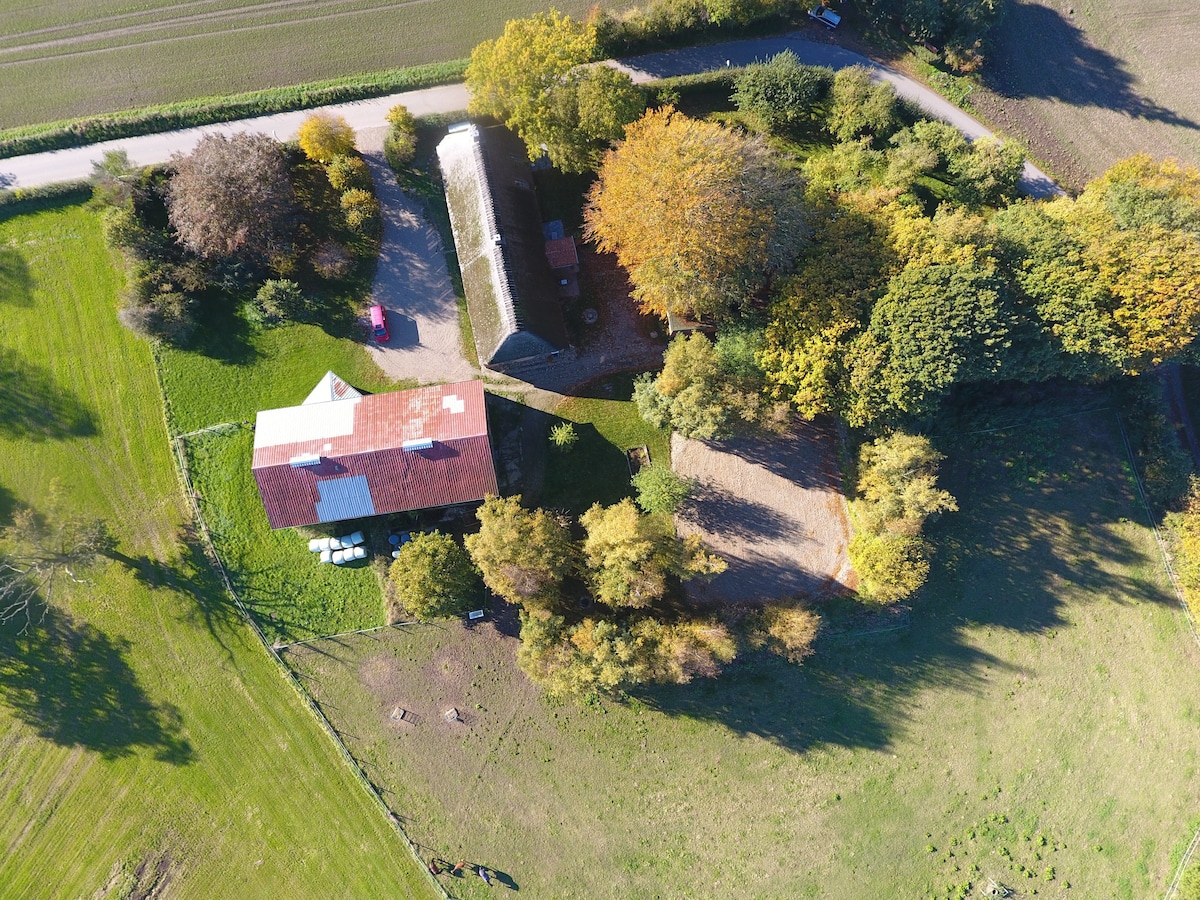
1084 85
62 60
149 742
606 426
1034 724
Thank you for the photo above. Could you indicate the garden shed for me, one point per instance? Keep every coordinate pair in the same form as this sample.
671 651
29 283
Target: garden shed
342 455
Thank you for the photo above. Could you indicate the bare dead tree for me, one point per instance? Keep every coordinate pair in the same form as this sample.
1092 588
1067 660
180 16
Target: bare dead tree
38 554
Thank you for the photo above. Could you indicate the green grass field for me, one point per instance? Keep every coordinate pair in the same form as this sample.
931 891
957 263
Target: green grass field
148 740
60 60
1034 724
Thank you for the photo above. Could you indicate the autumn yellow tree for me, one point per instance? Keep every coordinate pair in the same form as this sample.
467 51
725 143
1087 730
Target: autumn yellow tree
534 79
698 214
324 136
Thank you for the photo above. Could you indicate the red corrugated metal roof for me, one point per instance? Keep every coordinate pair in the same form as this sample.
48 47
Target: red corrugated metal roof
457 468
562 253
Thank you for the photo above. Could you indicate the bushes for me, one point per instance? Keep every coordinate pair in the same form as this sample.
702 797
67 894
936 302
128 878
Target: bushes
324 136
276 301
660 490
361 210
400 145
346 172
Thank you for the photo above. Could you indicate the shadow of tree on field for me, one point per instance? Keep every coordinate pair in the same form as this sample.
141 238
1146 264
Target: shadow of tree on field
1044 521
194 576
1068 68
33 407
71 683
16 284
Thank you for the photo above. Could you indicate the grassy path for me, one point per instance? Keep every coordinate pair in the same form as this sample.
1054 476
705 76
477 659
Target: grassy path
147 738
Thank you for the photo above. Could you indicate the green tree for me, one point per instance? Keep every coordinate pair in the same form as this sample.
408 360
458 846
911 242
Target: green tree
942 324
279 300
346 172
324 136
861 106
523 555
361 210
988 173
782 92
585 113
698 214
890 567
517 77
686 394
897 484
661 490
433 577
628 556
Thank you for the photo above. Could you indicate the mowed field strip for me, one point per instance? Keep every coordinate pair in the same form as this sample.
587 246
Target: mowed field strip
150 747
61 60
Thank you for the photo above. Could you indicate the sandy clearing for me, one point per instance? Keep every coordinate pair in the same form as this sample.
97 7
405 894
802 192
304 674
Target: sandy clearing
773 507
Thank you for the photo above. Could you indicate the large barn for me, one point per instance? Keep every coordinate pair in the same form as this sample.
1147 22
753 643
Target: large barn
512 294
341 455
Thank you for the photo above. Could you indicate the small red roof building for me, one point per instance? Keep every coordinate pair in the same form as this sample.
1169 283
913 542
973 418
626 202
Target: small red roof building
341 455
561 253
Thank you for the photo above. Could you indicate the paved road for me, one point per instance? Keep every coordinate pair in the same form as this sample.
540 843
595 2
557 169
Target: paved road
70 165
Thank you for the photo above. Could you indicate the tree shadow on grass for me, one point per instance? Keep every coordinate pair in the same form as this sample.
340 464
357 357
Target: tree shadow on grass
1044 523
16 284
194 576
72 684
1068 67
35 408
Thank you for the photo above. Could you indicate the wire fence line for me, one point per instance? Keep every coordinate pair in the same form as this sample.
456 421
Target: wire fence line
177 444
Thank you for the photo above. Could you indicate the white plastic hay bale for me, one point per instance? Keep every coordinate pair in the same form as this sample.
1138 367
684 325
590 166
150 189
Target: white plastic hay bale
314 545
395 554
326 556
339 557
335 543
323 544
357 538
359 552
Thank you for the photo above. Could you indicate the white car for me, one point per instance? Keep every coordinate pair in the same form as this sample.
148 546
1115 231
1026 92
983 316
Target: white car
825 15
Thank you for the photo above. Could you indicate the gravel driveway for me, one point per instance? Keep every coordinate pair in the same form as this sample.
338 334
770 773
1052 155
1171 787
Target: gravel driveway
773 507
413 284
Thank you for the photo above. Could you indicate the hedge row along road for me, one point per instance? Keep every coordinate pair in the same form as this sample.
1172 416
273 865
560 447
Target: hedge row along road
40 169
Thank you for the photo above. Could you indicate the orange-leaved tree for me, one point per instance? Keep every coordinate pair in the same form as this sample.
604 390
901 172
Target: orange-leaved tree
698 214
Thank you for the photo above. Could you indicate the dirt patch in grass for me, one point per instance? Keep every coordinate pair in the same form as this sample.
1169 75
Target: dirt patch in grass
773 507
1084 85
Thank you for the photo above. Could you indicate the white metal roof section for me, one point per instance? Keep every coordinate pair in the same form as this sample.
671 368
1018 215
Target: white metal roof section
344 498
297 424
329 388
454 403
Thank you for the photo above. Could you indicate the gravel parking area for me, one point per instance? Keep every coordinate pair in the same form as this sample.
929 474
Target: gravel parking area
773 507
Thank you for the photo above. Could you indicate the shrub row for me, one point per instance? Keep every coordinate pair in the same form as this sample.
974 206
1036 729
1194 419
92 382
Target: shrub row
210 110
25 200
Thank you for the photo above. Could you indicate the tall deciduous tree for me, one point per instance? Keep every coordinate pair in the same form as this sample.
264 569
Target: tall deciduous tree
586 112
433 577
524 555
628 556
698 214
232 197
534 79
861 106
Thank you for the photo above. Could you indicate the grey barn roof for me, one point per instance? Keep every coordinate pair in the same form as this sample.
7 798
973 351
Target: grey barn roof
514 307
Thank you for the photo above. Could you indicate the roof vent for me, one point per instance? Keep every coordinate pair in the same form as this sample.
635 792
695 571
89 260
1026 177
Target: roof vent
305 459
417 444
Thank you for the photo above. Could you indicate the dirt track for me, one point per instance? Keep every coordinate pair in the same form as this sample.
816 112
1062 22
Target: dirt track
773 507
